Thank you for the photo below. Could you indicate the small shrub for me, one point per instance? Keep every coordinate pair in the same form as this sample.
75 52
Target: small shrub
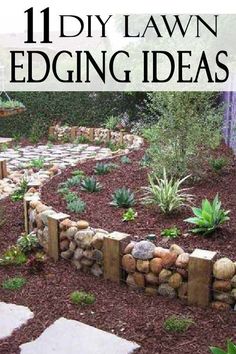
73 181
82 298
13 256
82 139
209 217
102 168
166 193
114 147
123 198
177 324
112 122
79 173
70 197
125 160
218 164
172 232
35 263
145 161
27 243
63 189
76 206
129 215
20 192
91 185
14 283
231 349
52 138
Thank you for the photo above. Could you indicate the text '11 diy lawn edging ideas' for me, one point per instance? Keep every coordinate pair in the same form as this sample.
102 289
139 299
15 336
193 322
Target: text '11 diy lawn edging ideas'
198 278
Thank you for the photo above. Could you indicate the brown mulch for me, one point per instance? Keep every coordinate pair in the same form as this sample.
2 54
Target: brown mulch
129 314
151 221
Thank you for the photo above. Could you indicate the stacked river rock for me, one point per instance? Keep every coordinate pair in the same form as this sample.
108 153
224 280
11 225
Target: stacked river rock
82 245
157 270
224 284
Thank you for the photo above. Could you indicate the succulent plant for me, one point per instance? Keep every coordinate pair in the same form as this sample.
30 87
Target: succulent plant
91 185
76 206
102 168
123 198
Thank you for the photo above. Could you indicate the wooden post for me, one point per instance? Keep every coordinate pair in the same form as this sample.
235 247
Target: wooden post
51 131
91 134
53 234
112 256
27 200
108 138
73 133
121 138
200 277
3 168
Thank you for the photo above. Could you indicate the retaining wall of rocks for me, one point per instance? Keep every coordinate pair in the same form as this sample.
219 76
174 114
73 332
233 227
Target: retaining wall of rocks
196 278
101 135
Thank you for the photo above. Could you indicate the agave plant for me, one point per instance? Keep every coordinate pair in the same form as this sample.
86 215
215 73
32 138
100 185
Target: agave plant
209 217
123 198
231 349
166 193
91 185
76 206
102 168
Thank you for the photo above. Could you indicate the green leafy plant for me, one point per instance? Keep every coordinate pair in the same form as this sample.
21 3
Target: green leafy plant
102 168
125 160
27 243
79 173
70 197
209 217
129 215
91 185
63 189
166 193
172 232
3 147
82 139
177 324
115 147
82 298
123 198
36 262
219 163
112 122
76 206
37 163
20 192
13 256
15 283
73 181
231 349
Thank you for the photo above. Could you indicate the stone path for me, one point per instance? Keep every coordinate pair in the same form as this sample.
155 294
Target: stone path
69 336
62 156
12 317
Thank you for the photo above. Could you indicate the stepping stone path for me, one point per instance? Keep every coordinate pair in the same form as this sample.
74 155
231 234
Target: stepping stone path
12 317
60 155
69 336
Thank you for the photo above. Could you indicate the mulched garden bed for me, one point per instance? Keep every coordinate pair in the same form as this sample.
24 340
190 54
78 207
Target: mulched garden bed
150 220
129 314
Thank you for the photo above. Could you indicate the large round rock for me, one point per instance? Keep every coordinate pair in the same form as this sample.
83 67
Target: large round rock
143 250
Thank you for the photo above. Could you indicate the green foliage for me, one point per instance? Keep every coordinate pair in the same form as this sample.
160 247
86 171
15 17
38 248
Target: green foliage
27 243
82 139
20 192
218 164
13 256
82 298
91 185
123 198
79 173
70 197
172 232
35 263
177 324
188 126
129 215
3 147
231 349
209 217
102 168
145 160
115 147
166 193
112 122
73 181
10 104
76 206
125 160
63 189
37 163
13 283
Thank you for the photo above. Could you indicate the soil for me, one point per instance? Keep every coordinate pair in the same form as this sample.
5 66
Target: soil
129 314
150 220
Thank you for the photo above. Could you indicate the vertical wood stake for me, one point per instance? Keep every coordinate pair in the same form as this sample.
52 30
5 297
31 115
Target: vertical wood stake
53 234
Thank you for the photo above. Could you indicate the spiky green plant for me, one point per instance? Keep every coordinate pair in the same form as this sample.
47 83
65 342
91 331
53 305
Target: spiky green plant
209 217
129 215
91 185
177 324
125 160
102 168
15 283
231 349
76 206
123 198
166 193
172 232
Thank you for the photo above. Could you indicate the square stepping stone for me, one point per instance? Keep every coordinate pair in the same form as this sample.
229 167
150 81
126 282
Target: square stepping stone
69 336
12 317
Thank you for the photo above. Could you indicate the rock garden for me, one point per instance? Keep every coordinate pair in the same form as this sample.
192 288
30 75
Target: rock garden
128 228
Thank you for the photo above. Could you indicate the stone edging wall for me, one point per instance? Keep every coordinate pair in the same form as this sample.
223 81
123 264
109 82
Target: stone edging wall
102 135
196 279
